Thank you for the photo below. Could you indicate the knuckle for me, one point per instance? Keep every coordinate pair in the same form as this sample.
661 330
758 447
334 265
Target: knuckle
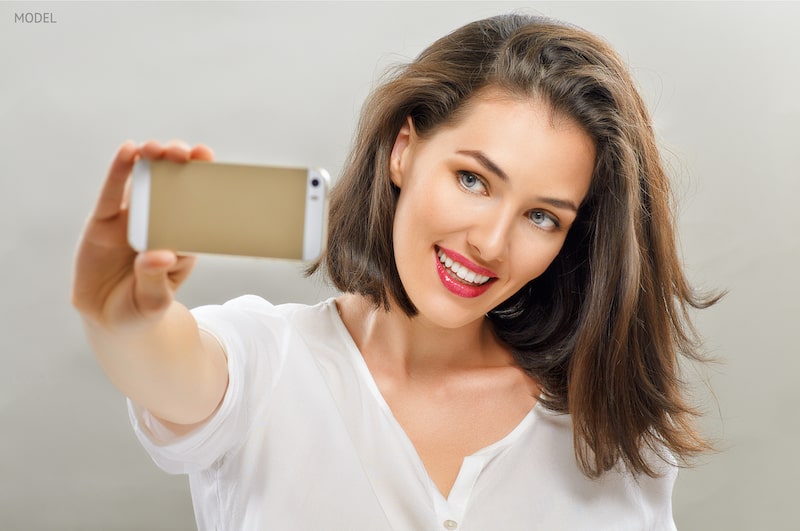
153 302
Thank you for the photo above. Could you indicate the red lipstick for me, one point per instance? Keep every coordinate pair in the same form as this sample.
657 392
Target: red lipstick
454 284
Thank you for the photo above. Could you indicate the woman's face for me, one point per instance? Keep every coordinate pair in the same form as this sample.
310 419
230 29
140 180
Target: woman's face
485 204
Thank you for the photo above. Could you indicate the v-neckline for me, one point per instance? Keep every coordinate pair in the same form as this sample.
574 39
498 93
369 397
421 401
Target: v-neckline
467 475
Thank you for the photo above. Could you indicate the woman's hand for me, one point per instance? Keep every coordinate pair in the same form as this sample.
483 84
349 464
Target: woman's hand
114 287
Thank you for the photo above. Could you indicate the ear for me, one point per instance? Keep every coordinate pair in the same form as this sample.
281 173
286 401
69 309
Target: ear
401 153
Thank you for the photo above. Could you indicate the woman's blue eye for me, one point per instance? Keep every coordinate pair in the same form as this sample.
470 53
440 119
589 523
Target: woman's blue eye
470 181
543 220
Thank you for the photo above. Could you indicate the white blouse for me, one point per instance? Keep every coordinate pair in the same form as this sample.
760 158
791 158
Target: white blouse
303 440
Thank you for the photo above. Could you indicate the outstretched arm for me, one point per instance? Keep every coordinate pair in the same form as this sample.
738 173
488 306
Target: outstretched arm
148 343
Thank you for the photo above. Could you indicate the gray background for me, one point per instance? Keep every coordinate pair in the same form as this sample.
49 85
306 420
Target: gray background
282 84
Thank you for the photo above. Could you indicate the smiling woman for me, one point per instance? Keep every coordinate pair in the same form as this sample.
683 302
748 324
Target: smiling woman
600 329
511 317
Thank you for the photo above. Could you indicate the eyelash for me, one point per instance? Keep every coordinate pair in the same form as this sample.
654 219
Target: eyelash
550 218
463 174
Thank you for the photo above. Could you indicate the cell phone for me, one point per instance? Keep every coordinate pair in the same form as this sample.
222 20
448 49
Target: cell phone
233 209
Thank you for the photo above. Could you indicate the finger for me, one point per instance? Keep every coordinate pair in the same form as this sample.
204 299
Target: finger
152 150
181 270
177 151
110 200
202 152
152 290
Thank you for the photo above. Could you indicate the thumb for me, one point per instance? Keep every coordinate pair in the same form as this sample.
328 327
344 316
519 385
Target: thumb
152 289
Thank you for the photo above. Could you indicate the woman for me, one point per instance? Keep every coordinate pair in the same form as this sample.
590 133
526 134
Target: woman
504 351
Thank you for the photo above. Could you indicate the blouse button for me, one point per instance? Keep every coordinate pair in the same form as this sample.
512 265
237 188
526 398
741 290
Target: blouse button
450 524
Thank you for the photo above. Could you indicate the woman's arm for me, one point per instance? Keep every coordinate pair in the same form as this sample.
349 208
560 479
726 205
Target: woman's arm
148 344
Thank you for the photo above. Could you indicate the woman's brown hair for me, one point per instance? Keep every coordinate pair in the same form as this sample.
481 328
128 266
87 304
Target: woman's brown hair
602 329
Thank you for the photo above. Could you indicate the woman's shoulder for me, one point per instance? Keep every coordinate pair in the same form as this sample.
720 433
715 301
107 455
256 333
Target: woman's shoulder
255 306
254 321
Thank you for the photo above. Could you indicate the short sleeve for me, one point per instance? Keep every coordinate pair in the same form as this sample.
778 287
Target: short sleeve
657 493
254 335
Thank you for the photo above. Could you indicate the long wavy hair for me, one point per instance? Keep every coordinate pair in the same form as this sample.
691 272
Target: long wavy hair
603 328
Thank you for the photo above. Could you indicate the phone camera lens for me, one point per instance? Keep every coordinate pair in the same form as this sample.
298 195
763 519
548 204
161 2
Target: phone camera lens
315 182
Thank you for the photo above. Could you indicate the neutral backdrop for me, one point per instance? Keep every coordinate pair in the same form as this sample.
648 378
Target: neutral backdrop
282 83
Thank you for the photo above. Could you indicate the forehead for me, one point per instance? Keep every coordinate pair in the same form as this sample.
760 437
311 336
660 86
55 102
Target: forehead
525 138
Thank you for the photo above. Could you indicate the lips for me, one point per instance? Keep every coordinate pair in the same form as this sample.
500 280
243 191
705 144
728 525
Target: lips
461 276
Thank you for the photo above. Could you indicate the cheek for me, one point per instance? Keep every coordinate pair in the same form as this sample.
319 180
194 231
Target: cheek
536 262
421 211
407 230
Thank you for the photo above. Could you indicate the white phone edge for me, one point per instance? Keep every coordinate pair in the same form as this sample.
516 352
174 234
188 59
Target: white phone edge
139 208
314 222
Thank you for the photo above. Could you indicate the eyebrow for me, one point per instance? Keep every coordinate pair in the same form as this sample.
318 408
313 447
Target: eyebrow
487 163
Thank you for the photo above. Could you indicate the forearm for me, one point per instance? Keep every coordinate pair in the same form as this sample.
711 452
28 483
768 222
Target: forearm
165 365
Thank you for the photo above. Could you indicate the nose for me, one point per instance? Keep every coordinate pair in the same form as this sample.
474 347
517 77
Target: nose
490 234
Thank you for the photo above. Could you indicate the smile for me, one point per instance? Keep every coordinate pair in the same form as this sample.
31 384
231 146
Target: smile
461 271
459 279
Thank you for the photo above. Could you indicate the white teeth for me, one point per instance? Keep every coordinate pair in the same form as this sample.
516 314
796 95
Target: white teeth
462 271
